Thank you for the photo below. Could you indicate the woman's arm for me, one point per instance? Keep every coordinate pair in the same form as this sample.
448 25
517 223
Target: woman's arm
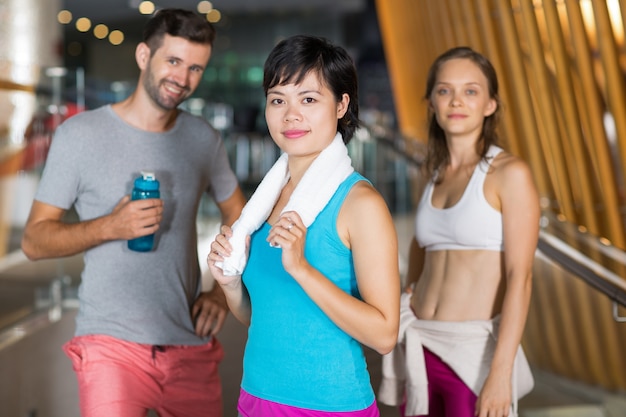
366 226
520 215
416 253
416 264
235 291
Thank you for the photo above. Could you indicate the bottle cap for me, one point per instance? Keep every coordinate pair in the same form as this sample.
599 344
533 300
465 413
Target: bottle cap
147 181
148 175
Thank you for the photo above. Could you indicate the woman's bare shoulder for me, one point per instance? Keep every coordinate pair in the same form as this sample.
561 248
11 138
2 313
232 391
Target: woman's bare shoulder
509 168
363 192
509 178
363 202
364 213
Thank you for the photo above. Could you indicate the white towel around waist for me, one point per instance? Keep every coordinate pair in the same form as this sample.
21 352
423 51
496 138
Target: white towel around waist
467 347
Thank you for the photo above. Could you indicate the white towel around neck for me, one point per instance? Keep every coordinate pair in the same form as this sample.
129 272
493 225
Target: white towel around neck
320 181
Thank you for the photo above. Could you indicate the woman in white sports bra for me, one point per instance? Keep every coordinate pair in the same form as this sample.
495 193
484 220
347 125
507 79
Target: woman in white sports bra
470 268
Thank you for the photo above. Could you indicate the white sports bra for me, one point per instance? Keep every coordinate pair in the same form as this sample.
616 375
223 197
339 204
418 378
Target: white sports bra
470 224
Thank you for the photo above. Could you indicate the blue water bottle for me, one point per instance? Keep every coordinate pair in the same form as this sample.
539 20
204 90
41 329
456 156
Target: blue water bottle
146 186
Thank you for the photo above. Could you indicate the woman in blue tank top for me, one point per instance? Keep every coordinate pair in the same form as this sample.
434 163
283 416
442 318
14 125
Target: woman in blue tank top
318 281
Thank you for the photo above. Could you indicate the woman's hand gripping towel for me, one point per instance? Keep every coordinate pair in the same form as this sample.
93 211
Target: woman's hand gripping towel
332 166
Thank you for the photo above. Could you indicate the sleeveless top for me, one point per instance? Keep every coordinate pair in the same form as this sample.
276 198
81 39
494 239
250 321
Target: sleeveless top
472 223
295 355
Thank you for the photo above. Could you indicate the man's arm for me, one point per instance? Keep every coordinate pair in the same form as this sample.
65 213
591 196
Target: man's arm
210 308
46 235
230 208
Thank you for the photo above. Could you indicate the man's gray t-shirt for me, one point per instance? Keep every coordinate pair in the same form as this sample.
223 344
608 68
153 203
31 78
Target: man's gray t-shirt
93 160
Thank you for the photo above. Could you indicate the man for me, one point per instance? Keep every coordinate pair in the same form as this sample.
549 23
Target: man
144 331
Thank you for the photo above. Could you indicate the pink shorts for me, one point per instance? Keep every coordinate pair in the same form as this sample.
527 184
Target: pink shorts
124 379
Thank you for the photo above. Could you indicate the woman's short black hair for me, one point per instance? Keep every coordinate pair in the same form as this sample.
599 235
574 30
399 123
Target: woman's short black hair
295 57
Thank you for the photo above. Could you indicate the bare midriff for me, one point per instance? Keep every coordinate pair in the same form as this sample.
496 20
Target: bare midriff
460 285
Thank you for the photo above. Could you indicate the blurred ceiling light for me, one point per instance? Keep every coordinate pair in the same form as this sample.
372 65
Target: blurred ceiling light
83 24
116 37
64 17
205 7
214 16
146 7
101 31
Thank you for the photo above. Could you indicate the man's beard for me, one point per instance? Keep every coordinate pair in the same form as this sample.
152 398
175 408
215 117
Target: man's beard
164 101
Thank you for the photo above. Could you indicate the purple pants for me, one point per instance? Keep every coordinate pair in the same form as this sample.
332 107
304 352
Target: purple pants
448 396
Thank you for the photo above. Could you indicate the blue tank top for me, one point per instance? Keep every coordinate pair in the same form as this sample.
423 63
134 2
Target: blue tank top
295 355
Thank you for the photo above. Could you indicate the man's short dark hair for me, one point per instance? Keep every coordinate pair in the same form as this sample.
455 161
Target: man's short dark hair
177 22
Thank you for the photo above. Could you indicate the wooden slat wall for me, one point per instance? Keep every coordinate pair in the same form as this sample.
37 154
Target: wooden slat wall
561 70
